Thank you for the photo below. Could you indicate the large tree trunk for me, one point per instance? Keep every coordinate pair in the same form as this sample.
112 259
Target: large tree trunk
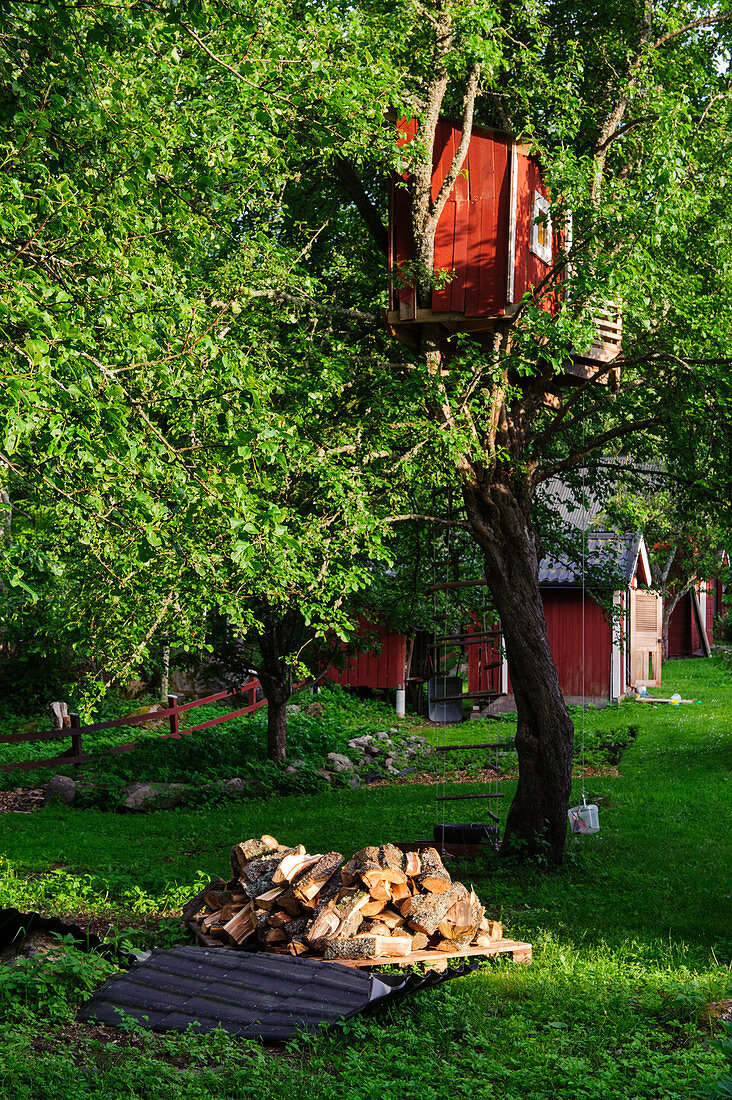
277 690
537 819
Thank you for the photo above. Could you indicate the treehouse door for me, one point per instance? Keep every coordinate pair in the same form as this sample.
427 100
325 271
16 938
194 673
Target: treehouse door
645 638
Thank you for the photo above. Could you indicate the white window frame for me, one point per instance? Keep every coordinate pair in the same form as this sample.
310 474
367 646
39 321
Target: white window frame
540 211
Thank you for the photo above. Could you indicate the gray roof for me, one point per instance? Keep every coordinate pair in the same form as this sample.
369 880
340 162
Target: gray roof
610 563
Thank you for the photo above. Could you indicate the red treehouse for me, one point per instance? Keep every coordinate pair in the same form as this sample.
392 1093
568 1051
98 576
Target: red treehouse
494 241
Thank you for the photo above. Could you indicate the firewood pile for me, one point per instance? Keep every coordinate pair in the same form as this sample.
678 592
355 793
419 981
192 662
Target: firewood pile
381 903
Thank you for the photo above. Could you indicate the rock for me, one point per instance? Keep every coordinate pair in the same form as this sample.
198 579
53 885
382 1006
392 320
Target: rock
133 689
298 764
234 785
293 708
339 762
315 710
60 788
354 782
153 796
360 742
327 776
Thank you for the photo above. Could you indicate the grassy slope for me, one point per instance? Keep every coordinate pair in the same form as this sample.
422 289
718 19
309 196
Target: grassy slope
630 939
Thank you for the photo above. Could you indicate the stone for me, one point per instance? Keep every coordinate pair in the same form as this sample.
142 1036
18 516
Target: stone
153 796
60 788
293 708
315 710
234 785
339 762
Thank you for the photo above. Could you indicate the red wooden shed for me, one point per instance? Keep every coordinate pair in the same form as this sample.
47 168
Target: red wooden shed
597 656
692 620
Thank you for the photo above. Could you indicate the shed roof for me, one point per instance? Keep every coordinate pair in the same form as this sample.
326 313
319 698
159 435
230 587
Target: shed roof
612 561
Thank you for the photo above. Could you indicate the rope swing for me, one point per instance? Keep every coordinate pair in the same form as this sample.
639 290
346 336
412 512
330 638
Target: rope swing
584 819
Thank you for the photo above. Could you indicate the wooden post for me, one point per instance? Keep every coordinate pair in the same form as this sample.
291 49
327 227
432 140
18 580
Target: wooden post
174 721
75 724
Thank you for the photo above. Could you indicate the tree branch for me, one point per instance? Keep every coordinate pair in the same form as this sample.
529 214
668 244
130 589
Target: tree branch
321 307
593 444
354 188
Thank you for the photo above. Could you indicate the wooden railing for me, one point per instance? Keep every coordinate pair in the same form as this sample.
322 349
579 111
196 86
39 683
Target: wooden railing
75 731
608 342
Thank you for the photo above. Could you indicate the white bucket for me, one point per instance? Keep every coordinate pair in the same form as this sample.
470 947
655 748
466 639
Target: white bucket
584 820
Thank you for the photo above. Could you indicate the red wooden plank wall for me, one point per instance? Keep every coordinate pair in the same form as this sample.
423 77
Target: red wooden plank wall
480 676
472 233
563 613
379 671
678 629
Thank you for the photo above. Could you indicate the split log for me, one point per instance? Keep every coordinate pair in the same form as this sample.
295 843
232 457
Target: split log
289 903
317 875
290 866
296 928
372 908
240 927
348 872
357 947
492 930
299 946
279 918
349 913
365 860
275 935
433 878
210 919
379 890
257 877
243 853
400 891
374 928
412 864
391 919
425 912
391 857
419 941
368 947
196 904
325 924
267 900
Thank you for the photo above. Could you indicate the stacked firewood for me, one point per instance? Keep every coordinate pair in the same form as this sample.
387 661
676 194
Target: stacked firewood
382 902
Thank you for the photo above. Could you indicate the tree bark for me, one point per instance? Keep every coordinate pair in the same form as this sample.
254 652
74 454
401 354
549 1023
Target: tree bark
537 819
277 729
277 688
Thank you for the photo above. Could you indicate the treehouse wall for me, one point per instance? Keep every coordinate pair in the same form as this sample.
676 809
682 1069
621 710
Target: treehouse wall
484 232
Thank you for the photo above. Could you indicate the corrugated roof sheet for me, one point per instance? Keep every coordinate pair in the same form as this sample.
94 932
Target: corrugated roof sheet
611 560
253 995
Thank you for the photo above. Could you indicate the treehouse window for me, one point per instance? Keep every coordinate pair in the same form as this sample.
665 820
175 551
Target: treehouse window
541 229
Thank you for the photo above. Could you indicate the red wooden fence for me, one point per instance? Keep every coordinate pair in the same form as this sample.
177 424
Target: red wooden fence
76 755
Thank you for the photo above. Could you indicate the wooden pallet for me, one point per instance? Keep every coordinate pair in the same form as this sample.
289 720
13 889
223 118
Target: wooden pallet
439 960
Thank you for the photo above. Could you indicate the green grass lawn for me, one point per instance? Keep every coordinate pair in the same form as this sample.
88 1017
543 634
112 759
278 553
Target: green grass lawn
631 938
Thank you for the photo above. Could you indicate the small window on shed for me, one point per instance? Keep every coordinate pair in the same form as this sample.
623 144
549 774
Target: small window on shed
541 229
